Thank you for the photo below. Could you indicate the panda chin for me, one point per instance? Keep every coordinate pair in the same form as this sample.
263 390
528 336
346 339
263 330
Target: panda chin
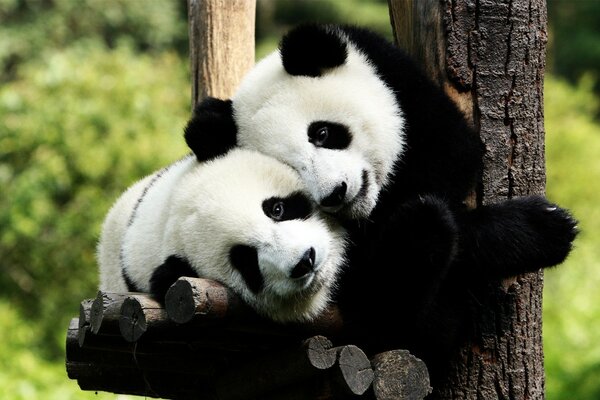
310 283
361 205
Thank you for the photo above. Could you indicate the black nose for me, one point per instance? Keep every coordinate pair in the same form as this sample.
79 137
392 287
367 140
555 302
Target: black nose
305 266
336 197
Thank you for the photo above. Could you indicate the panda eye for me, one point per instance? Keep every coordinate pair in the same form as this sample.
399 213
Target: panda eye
294 206
329 135
321 136
277 211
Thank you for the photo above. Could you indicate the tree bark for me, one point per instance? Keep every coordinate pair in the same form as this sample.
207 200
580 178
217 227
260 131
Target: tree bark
489 56
221 45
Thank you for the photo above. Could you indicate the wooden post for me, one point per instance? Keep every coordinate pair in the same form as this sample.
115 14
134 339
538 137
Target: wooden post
489 55
221 45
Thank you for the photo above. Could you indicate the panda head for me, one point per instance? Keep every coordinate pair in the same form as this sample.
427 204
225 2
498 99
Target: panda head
319 106
245 220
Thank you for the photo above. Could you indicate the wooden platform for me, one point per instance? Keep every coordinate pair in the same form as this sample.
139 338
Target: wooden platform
207 344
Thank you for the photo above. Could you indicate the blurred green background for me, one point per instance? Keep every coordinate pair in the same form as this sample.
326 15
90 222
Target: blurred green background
94 94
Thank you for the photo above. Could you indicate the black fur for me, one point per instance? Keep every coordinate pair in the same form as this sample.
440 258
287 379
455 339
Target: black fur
245 260
516 236
131 286
212 131
167 274
310 52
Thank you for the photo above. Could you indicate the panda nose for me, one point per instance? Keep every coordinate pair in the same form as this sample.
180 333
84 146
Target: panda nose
336 197
305 266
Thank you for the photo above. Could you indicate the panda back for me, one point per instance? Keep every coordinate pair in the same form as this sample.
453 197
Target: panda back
143 246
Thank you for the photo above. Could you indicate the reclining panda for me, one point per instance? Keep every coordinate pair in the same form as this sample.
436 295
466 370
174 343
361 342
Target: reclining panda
243 219
389 153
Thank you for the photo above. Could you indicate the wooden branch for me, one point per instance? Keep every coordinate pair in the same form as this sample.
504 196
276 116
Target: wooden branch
202 301
84 320
138 314
399 375
352 374
106 310
221 45
190 296
174 369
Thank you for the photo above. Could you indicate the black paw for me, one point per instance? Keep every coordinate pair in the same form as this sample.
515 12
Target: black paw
548 230
516 236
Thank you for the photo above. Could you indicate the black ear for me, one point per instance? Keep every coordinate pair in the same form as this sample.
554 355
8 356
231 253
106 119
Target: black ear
310 49
212 131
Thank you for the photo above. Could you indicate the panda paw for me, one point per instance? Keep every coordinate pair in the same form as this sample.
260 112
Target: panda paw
547 229
424 231
517 236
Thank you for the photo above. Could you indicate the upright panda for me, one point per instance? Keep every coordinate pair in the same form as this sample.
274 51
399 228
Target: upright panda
243 219
388 152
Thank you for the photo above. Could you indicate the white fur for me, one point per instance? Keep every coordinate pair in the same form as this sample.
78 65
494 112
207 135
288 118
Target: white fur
273 110
198 211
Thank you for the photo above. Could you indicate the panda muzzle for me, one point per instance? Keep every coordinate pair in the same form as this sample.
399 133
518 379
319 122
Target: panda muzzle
336 197
305 266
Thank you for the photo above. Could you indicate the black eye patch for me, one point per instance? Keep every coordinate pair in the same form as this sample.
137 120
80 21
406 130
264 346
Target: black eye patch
294 206
329 135
245 260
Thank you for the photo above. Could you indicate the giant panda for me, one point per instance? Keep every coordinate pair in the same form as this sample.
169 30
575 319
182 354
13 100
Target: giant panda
385 150
243 219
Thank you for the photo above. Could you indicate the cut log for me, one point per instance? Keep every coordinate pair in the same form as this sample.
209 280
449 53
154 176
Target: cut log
84 320
195 296
203 301
138 314
106 311
352 374
399 375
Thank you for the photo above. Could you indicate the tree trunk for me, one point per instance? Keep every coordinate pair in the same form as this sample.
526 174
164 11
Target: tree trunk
489 56
221 45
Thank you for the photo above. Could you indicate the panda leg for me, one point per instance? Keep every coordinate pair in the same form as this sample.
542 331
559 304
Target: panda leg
166 274
516 236
401 272
420 239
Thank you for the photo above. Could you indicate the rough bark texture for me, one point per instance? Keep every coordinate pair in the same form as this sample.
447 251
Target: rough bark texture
489 55
221 45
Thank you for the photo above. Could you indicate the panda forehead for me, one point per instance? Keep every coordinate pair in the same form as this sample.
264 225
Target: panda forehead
268 78
243 176
347 95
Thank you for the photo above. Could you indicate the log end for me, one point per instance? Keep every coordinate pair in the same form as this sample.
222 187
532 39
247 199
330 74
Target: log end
132 322
354 370
400 375
319 352
180 301
97 313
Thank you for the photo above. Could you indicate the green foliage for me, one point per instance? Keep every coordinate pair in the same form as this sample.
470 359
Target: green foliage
29 28
575 38
26 376
77 129
571 299
274 17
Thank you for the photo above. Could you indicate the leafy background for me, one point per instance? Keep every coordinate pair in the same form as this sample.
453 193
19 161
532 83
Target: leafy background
94 95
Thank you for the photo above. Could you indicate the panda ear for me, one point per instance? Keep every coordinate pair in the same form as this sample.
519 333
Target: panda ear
212 131
310 49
